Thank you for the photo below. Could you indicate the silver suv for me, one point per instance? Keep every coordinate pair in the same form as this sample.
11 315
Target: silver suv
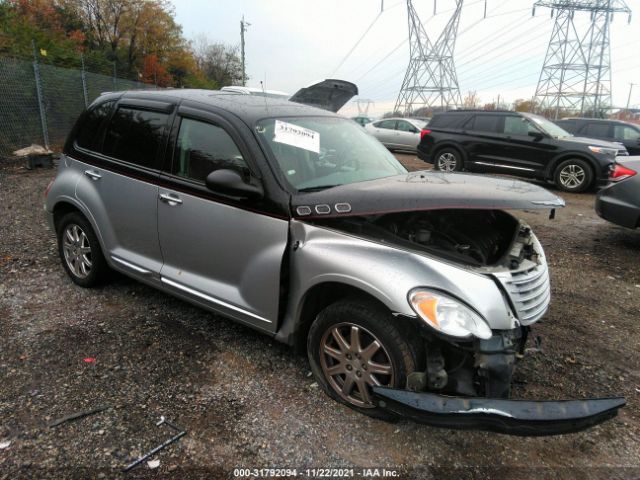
401 287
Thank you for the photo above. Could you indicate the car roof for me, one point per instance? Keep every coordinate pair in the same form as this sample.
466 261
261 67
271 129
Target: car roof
249 108
603 120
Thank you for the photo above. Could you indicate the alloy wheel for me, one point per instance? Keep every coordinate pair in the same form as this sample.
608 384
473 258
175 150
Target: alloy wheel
572 176
447 162
353 360
77 250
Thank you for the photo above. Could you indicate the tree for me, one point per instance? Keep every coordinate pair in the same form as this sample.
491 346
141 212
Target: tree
524 105
218 62
471 100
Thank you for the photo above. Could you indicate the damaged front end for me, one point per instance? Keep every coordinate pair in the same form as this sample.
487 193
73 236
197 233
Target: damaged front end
471 346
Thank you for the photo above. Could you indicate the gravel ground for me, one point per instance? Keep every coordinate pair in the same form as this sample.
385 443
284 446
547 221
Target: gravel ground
247 401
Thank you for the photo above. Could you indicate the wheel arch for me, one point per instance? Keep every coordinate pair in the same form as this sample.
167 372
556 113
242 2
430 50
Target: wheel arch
66 205
449 144
551 168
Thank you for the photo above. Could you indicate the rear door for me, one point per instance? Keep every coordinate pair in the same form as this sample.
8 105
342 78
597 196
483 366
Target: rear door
223 252
119 185
484 142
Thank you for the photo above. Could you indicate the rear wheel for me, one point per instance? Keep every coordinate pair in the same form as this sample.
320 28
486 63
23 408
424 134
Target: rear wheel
355 344
448 160
574 175
80 251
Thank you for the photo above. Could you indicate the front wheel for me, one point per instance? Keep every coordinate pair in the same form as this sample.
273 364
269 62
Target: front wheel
573 175
355 344
448 160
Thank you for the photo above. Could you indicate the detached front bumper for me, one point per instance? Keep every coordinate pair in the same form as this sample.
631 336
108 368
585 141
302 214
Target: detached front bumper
513 417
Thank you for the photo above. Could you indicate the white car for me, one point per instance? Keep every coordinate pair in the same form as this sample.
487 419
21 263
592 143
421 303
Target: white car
397 133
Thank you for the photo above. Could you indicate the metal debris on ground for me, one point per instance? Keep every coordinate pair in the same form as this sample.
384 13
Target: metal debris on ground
77 415
163 421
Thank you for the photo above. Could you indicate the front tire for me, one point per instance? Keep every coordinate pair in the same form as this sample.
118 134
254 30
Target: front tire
355 344
80 251
448 160
573 175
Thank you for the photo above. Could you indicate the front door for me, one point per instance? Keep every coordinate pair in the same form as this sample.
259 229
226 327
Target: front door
530 151
219 251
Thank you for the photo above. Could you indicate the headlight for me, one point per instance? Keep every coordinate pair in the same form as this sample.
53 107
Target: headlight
612 152
447 315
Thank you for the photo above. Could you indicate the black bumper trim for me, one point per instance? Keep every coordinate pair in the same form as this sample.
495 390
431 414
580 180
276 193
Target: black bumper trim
513 417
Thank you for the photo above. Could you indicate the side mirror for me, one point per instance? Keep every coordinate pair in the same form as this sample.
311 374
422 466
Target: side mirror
537 136
230 182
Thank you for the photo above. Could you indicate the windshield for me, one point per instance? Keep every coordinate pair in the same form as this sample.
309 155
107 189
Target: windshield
548 126
321 152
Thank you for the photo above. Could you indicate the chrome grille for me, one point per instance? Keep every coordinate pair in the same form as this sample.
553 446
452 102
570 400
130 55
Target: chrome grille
529 290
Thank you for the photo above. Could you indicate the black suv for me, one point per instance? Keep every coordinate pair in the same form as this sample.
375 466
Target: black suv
612 130
516 143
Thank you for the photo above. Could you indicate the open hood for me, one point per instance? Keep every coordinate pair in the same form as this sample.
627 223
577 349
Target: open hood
328 94
423 190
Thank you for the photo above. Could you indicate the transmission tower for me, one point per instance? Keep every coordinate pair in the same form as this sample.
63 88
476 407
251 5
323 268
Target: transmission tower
363 106
430 80
576 75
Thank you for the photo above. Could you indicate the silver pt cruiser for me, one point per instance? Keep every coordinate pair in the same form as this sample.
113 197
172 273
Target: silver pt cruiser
412 293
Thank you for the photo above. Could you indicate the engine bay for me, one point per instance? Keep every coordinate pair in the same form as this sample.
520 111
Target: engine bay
471 237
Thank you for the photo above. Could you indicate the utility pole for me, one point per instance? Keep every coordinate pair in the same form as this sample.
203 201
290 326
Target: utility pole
576 75
430 80
243 28
629 97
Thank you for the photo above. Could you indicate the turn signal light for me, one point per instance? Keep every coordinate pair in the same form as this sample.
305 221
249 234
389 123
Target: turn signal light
621 172
424 132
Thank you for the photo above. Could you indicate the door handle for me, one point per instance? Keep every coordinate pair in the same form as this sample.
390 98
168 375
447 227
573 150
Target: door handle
170 199
92 174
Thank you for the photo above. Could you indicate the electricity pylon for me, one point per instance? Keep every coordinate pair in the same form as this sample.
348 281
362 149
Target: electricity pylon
576 75
430 80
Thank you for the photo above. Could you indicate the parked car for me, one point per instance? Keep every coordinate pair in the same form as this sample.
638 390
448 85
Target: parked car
402 287
628 134
397 133
516 143
620 201
362 121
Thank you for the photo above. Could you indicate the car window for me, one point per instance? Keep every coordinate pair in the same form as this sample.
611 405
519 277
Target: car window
89 129
204 147
514 125
485 123
389 124
405 126
624 132
568 125
135 136
596 130
444 120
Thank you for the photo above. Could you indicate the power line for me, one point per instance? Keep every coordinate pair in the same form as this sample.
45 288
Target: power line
356 44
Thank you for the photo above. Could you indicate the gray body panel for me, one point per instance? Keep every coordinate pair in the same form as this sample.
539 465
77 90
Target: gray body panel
228 257
619 202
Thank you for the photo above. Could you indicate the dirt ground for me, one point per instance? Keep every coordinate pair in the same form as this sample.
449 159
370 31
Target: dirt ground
247 401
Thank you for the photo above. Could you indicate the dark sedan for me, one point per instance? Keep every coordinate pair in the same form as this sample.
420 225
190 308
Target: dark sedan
620 201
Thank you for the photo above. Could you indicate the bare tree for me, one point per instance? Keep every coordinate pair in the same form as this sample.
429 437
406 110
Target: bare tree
218 61
471 100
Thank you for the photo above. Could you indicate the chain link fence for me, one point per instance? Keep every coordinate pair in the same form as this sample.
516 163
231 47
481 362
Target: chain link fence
39 103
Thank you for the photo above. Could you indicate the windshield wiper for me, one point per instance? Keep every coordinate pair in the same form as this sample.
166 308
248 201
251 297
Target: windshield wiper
316 188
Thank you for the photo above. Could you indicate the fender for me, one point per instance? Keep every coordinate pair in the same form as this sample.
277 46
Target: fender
551 167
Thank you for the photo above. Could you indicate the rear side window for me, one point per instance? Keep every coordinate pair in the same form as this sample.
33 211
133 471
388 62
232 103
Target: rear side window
569 125
596 130
135 136
485 123
448 121
88 135
204 147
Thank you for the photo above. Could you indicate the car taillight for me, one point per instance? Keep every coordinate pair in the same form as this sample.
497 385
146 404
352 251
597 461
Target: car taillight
424 132
621 172
46 190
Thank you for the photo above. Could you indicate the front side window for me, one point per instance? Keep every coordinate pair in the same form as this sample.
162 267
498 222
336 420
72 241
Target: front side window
406 127
624 132
547 126
89 130
486 123
388 124
204 147
135 136
314 153
514 125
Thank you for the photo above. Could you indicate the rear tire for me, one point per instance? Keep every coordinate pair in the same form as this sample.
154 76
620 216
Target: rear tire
573 175
355 343
448 160
80 251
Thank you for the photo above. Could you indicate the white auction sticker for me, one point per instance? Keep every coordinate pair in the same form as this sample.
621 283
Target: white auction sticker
296 136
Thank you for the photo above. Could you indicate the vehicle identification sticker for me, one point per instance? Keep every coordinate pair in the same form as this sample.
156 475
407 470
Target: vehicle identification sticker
296 136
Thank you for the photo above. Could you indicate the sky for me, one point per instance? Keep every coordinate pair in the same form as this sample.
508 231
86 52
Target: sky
294 43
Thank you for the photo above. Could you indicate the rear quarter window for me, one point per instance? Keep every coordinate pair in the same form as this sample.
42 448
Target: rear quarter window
89 127
136 136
